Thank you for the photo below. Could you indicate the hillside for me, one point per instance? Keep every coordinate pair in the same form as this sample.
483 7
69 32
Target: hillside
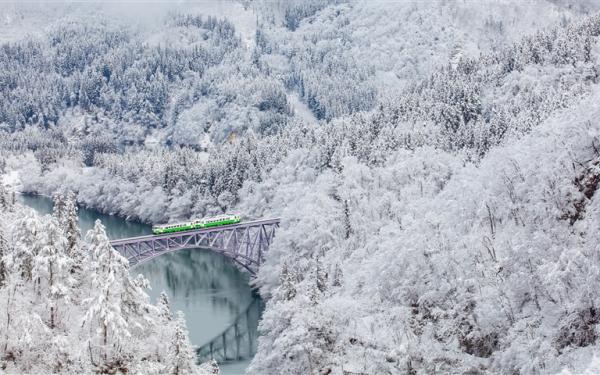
439 211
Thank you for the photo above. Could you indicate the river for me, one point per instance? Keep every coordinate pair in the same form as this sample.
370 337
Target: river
205 285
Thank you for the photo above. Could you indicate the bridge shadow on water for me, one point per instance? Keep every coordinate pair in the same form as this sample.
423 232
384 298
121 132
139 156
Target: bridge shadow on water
236 342
222 311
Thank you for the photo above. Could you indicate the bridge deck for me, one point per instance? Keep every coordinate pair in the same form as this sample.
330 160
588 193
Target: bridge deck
219 228
244 242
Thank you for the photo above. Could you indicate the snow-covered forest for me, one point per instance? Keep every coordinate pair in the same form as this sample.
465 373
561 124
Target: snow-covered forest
70 305
435 166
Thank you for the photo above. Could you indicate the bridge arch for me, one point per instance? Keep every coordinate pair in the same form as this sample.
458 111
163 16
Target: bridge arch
245 243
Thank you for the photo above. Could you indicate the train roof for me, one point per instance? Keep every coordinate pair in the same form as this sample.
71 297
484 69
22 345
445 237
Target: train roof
167 224
193 220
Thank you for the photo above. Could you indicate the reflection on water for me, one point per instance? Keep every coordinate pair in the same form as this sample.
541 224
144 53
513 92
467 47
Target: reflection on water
115 226
206 286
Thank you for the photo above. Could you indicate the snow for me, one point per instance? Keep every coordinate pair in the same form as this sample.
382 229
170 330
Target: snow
423 215
301 110
61 294
12 180
242 18
439 215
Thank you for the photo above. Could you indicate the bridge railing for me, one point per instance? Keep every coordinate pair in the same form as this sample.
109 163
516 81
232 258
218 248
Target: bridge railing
246 243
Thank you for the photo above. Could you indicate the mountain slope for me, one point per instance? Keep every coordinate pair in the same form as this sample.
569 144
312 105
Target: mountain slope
430 265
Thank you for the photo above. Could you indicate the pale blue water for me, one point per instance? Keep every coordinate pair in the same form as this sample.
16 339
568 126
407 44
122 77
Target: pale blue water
206 286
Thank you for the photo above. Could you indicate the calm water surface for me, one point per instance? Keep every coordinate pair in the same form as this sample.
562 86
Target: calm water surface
206 286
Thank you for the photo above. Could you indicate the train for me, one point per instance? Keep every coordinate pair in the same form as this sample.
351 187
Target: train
207 222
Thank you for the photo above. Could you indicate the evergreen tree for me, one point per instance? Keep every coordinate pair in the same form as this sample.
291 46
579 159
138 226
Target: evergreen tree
13 200
320 274
58 208
3 254
29 234
51 278
135 303
338 275
210 368
4 197
120 332
164 308
347 221
71 227
181 356
287 283
108 327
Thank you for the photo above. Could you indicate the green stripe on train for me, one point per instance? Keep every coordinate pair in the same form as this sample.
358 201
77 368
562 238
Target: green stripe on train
189 226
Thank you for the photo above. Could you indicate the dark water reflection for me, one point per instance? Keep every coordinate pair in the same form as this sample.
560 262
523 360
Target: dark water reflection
206 286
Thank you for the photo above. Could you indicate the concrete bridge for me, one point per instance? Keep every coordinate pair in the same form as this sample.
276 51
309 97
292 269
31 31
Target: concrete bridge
245 243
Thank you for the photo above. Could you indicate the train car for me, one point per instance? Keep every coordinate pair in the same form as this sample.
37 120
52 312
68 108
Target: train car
206 222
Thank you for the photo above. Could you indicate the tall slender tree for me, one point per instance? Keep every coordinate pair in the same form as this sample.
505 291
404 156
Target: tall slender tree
4 198
51 276
104 318
3 254
71 229
181 355
58 208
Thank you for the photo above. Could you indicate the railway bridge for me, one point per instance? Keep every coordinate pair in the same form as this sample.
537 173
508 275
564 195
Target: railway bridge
245 243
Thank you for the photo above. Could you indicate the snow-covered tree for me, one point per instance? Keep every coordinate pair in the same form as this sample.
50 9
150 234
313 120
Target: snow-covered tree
5 197
70 227
58 207
51 278
181 356
105 318
164 308
3 254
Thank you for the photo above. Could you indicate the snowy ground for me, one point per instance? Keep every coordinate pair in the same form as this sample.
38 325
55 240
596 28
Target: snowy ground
301 110
243 19
11 180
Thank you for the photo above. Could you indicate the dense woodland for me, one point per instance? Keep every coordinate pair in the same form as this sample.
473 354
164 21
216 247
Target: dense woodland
70 305
441 221
128 87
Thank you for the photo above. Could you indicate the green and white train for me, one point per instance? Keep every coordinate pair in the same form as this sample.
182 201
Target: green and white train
206 222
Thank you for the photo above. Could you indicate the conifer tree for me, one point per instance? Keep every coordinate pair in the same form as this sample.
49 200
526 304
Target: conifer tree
4 200
164 308
287 283
13 200
51 271
321 275
108 327
3 254
338 275
210 367
71 226
29 234
58 209
181 356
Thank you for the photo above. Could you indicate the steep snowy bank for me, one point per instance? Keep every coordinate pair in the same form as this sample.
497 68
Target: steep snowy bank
436 266
451 228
